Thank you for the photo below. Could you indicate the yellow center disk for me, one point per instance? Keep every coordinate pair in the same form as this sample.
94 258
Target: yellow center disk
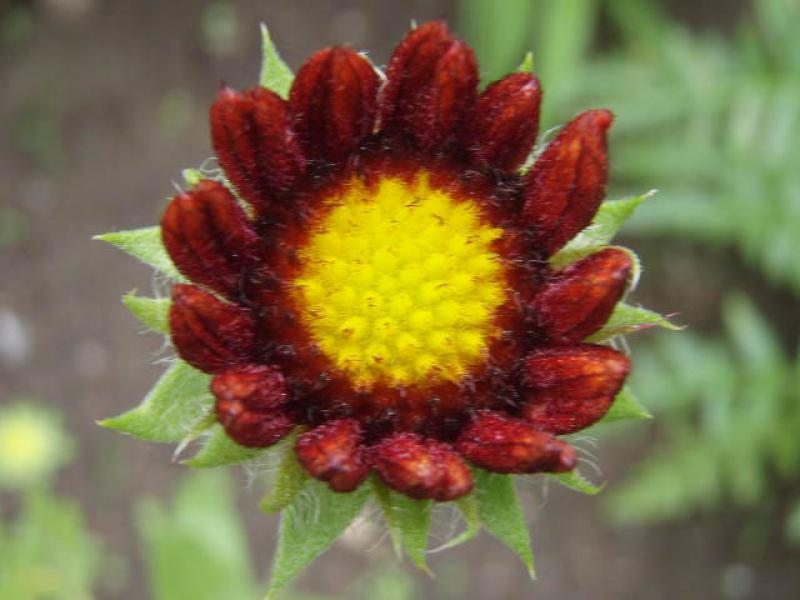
399 283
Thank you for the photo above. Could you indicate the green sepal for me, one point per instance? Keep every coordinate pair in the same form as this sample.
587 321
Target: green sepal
577 482
468 507
219 450
275 74
629 319
309 525
625 407
289 479
152 312
409 522
170 411
526 66
146 245
192 176
610 217
501 513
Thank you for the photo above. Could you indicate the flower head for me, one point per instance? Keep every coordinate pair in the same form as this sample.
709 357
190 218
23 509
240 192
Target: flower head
377 271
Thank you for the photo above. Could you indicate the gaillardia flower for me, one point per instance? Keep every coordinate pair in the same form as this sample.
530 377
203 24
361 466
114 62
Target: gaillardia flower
377 271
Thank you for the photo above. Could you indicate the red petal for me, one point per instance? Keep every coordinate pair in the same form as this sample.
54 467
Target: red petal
333 103
209 237
506 122
566 185
255 145
506 445
421 468
250 405
332 452
571 388
579 300
431 86
208 333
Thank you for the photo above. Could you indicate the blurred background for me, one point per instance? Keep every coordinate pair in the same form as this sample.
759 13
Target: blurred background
103 102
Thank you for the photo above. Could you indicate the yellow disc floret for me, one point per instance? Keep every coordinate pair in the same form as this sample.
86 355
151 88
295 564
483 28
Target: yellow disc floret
400 284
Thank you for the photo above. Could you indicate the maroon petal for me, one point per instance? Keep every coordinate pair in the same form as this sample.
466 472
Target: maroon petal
208 333
421 468
506 122
209 237
566 185
333 103
506 445
431 86
250 403
571 388
579 300
255 145
332 452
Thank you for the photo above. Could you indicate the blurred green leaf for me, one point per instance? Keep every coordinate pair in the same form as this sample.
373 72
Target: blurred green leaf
309 525
146 245
409 521
628 319
197 548
153 312
289 480
219 450
577 482
171 409
468 507
625 407
501 513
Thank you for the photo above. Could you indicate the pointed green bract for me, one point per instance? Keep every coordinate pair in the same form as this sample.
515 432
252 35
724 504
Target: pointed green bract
577 482
501 513
468 507
171 409
275 74
146 245
309 525
625 407
628 319
219 450
610 217
289 480
153 312
526 66
409 522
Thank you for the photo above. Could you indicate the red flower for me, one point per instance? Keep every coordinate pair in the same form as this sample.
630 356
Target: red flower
385 282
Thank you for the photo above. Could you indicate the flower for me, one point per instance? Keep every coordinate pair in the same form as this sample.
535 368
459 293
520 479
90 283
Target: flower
385 282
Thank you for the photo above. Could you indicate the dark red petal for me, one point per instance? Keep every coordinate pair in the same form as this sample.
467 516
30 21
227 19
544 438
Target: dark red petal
421 468
209 238
255 145
506 445
571 388
566 185
333 103
208 333
579 300
250 403
506 122
332 452
431 86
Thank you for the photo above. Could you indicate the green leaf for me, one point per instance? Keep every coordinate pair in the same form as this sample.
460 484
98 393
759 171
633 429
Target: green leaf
289 480
170 410
192 176
309 525
275 74
526 66
501 513
197 548
146 245
628 319
606 223
219 450
625 407
468 507
409 522
577 482
153 312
